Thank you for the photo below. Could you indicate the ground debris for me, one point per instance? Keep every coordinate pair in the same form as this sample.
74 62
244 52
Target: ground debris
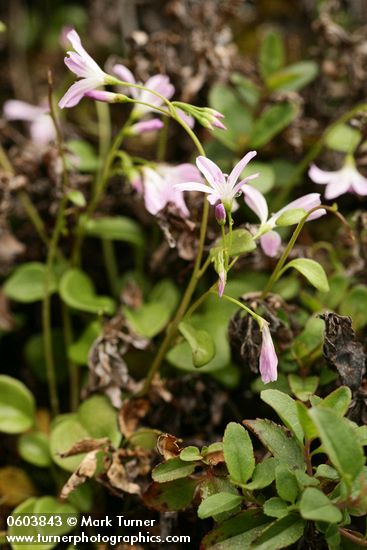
342 350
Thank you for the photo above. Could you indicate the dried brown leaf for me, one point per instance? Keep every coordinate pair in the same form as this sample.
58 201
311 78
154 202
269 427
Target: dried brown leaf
86 445
130 413
85 471
168 446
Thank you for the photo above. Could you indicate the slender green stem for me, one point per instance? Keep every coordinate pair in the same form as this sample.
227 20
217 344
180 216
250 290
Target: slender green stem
5 162
52 251
313 152
33 215
172 328
257 317
73 368
111 265
278 268
100 185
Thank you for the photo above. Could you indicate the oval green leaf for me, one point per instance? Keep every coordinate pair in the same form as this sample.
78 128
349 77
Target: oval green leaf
312 270
17 406
27 283
77 291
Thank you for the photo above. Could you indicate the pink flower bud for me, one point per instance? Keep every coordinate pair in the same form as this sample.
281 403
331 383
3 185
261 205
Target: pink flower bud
220 214
101 95
268 358
222 283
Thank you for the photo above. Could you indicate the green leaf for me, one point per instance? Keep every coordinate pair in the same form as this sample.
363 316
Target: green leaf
242 242
286 484
217 504
308 426
235 533
355 305
44 505
17 406
171 496
272 121
286 409
280 533
290 217
35 355
84 157
79 350
339 400
149 320
27 283
248 91
312 270
275 507
343 138
238 453
327 472
294 77
174 468
266 180
303 388
77 198
145 438
264 474
180 356
77 291
166 293
277 440
34 448
98 416
339 441
190 454
201 343
117 228
95 418
271 56
63 436
338 286
315 505
237 115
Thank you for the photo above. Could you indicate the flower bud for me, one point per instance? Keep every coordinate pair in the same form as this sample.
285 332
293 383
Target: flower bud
220 214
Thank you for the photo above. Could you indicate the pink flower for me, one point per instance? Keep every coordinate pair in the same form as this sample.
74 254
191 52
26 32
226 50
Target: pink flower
41 127
81 63
222 187
145 126
345 180
158 83
268 362
270 240
160 188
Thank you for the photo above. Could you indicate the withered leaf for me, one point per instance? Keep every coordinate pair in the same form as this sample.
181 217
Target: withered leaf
168 446
85 471
342 350
86 446
119 478
130 413
108 371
